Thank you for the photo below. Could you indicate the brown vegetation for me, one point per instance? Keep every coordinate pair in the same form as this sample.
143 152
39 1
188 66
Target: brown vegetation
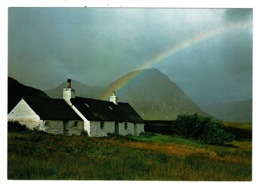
34 155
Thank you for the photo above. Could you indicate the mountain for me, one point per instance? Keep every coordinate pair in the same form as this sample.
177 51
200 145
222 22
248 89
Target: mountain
16 91
81 90
153 95
237 111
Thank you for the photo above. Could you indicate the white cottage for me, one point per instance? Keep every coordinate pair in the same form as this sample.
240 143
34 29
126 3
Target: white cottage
73 115
103 117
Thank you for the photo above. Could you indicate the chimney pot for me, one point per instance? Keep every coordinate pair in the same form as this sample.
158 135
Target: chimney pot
68 92
69 83
113 98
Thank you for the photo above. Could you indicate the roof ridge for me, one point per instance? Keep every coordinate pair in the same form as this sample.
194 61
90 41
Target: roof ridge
109 102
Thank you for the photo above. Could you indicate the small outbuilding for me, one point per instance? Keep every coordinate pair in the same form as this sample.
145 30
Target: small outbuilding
50 115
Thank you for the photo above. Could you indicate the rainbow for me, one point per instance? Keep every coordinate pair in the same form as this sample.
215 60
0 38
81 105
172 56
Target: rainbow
171 51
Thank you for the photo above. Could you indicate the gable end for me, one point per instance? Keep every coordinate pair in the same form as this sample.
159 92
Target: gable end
23 112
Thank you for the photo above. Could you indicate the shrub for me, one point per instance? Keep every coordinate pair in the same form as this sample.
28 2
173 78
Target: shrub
84 133
201 128
119 137
240 133
16 127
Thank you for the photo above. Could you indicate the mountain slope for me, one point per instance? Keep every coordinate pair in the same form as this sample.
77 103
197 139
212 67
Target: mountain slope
16 91
238 111
81 90
153 95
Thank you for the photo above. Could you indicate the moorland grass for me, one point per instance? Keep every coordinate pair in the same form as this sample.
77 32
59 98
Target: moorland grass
39 156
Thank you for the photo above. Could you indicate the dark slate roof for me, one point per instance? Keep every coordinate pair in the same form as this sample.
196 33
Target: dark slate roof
51 109
98 110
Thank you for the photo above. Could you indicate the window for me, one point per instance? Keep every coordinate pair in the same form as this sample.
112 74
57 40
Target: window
125 126
102 125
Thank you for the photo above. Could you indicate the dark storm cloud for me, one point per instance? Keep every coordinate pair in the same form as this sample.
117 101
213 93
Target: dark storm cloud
238 14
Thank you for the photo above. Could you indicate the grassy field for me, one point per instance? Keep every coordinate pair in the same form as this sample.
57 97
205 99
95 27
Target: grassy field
39 156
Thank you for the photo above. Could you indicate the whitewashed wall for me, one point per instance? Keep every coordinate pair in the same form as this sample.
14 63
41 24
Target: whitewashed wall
53 127
63 127
74 127
97 130
125 128
139 129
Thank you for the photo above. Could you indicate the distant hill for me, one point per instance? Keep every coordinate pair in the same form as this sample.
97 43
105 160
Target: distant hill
81 90
238 111
16 91
153 95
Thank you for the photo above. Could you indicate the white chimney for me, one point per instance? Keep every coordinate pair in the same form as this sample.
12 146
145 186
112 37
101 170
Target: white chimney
113 98
68 92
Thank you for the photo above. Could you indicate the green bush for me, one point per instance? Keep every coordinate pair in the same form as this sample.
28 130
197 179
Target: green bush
16 127
201 128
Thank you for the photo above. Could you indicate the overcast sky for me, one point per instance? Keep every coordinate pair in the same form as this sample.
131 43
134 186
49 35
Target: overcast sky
96 46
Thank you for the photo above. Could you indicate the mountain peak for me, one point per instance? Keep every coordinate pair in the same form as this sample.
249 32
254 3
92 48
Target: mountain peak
81 89
150 71
152 94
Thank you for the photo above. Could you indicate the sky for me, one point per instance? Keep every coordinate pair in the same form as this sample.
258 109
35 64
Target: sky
206 52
